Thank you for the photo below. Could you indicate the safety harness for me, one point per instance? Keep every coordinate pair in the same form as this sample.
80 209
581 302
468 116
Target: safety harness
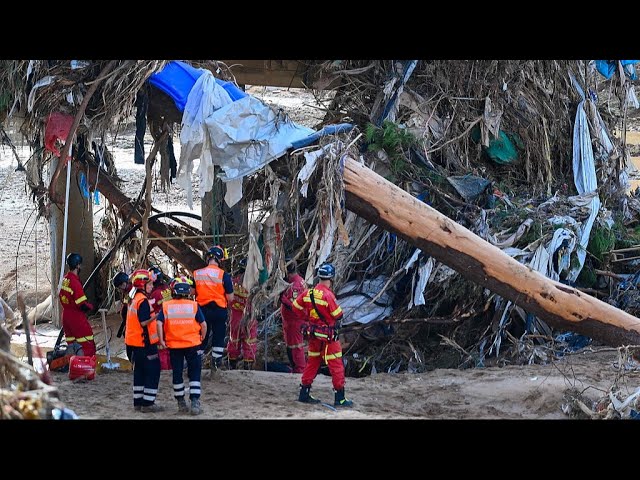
323 332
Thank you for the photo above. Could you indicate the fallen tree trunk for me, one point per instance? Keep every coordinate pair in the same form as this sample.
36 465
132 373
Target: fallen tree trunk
381 202
177 249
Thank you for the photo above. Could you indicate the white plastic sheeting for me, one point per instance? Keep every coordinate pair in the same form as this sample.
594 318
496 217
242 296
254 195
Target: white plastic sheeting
424 273
321 243
500 240
205 97
320 248
254 257
311 161
247 134
358 307
584 176
412 260
241 137
40 83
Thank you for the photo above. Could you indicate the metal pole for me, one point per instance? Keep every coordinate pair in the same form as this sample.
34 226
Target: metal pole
266 344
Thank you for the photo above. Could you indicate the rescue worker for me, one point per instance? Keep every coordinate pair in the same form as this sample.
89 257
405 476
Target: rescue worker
142 335
214 293
324 314
182 327
243 336
75 306
161 291
121 283
293 319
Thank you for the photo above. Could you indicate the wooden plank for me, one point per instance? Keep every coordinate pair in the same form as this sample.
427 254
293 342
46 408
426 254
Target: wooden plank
276 73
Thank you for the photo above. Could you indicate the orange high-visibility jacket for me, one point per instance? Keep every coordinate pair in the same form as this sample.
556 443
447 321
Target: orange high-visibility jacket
209 286
181 329
134 336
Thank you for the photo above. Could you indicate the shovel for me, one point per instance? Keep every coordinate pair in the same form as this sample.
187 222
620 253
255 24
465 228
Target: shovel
109 365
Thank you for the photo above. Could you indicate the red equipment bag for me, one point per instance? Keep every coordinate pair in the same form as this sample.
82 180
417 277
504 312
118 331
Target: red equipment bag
165 359
82 367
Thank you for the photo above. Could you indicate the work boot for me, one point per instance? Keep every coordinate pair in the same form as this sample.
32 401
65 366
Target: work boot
153 408
233 364
182 405
195 406
137 408
305 396
216 364
248 364
341 401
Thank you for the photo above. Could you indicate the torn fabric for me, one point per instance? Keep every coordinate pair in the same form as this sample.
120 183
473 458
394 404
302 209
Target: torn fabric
424 273
254 258
205 97
584 177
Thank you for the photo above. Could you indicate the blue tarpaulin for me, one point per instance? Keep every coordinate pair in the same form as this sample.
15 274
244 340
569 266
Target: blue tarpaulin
608 67
177 78
328 130
234 92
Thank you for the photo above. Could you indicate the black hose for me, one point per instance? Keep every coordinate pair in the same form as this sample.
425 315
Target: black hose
131 232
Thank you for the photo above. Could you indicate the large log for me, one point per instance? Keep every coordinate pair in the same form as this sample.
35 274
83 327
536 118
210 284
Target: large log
381 202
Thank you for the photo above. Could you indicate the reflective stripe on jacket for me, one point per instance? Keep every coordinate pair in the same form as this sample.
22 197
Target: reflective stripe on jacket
181 329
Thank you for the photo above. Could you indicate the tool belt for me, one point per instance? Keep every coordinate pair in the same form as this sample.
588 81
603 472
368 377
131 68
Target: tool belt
322 332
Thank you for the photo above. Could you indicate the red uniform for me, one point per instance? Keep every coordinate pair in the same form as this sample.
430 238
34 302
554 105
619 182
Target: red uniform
242 338
322 345
158 296
74 321
292 323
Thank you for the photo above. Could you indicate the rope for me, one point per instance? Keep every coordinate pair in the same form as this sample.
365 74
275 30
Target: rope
19 242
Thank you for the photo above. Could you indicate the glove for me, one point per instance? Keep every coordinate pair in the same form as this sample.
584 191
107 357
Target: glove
334 337
86 307
305 330
336 331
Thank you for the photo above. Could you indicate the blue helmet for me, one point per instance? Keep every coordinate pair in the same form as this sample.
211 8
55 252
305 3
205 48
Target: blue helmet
181 289
73 260
326 271
120 278
214 252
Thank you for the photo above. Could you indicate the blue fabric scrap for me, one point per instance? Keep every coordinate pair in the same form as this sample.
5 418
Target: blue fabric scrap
328 130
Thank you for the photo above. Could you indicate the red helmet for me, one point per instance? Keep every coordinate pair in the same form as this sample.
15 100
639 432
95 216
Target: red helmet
140 278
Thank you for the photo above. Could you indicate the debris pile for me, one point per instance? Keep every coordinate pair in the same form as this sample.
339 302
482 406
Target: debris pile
525 154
